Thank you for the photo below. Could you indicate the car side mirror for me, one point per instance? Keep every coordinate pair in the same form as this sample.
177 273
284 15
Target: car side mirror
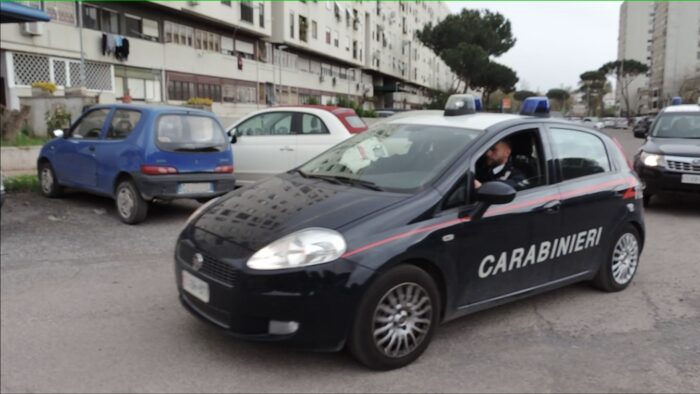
640 134
492 193
232 134
58 133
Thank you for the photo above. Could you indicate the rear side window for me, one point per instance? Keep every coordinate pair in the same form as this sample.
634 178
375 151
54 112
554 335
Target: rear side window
355 121
269 123
311 124
123 123
183 133
580 154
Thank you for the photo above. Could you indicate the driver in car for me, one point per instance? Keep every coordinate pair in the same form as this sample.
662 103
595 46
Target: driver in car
497 166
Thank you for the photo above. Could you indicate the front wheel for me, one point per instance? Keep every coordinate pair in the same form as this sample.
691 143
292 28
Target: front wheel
49 183
132 209
622 261
396 319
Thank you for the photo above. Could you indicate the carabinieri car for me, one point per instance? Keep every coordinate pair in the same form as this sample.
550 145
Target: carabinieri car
375 242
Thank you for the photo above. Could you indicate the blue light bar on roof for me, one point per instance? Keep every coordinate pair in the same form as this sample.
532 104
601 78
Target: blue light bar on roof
535 106
678 100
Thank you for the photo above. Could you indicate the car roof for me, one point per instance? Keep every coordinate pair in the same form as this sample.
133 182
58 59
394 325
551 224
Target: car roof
478 121
153 108
681 108
330 108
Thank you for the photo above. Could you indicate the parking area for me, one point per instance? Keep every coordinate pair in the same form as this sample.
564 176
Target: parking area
89 304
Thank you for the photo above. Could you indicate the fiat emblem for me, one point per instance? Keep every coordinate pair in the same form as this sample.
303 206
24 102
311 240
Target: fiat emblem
197 261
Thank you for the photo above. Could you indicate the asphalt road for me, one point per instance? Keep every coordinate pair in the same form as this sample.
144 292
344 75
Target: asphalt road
89 305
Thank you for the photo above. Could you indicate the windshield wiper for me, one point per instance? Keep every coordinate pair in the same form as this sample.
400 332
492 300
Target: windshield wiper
360 182
298 171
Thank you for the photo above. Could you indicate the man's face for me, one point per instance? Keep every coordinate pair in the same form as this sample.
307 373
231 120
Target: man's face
498 154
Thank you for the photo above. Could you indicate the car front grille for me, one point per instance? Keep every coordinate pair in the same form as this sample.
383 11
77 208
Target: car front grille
211 267
682 166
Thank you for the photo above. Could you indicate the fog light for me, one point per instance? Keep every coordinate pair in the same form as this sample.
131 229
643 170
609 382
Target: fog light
277 327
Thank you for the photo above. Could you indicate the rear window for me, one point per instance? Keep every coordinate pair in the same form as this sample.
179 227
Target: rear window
355 121
189 133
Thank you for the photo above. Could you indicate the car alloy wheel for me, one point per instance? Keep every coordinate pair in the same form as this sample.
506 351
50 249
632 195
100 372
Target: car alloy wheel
625 258
402 320
47 181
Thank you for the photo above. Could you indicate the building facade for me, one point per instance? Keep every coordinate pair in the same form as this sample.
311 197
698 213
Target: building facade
668 33
242 55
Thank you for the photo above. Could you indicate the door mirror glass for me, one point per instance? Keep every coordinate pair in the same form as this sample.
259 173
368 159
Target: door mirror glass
58 133
495 192
234 138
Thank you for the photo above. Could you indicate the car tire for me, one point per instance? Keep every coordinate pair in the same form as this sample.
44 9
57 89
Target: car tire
49 182
403 300
131 208
622 261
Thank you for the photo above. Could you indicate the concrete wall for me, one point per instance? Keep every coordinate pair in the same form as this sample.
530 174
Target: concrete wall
41 105
18 160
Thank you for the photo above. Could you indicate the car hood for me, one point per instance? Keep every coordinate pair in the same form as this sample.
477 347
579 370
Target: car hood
673 146
254 216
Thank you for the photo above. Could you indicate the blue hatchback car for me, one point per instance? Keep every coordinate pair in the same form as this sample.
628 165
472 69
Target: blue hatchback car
139 153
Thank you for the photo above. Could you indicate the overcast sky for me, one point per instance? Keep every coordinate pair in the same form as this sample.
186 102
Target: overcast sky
556 41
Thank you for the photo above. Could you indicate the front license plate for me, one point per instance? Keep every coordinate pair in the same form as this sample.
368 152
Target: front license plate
195 286
193 188
689 178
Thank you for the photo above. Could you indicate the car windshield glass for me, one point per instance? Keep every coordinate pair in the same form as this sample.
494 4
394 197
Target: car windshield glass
182 133
677 125
394 157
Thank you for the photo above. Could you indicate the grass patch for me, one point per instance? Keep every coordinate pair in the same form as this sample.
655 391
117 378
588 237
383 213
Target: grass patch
25 140
22 183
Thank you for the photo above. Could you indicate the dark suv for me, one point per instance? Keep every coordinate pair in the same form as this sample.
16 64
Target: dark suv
670 158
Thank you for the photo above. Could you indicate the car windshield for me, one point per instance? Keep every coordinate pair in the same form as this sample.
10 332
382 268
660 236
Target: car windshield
394 157
189 133
677 125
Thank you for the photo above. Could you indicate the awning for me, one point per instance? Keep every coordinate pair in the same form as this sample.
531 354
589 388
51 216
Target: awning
17 13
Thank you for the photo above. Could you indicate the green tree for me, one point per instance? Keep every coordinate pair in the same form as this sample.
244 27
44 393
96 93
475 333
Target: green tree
521 95
625 71
496 77
465 41
560 96
593 86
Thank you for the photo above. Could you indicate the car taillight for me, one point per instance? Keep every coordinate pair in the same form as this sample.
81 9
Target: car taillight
157 170
619 146
224 169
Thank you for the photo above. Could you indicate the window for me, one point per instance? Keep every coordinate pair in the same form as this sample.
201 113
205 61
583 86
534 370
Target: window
61 11
90 126
261 15
274 123
291 24
109 21
314 30
311 124
303 28
579 153
328 36
123 123
179 34
246 11
336 39
90 17
189 132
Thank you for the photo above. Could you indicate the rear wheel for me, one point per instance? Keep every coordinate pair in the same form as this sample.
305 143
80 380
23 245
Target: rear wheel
132 209
49 182
617 271
396 319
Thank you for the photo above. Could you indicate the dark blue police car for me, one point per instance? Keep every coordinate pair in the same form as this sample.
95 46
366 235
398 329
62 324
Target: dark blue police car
375 242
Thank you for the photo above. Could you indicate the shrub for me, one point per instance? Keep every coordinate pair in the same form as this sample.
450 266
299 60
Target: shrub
59 118
22 183
47 86
200 101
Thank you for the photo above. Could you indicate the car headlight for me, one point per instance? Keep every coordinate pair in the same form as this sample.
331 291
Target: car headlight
651 159
299 249
199 211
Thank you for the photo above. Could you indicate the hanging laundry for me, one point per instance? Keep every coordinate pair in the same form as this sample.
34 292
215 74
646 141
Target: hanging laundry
104 44
110 47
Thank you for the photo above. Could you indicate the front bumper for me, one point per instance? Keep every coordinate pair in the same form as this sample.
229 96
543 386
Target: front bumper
318 301
166 186
659 179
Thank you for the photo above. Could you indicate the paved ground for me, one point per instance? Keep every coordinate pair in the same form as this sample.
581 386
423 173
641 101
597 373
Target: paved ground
89 305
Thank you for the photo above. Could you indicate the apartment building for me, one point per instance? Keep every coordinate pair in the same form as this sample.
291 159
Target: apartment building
668 33
242 55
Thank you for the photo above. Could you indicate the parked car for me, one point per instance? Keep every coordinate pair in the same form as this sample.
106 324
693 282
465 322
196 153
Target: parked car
274 140
137 154
609 122
621 123
373 244
669 160
593 122
641 129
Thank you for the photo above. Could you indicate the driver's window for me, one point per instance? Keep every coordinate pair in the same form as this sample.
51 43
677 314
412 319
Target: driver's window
272 123
90 126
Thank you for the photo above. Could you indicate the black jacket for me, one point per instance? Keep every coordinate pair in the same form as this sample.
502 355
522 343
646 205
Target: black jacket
508 174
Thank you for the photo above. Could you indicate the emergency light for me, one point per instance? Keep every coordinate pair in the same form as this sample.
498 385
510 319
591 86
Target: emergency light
477 104
678 100
535 106
460 104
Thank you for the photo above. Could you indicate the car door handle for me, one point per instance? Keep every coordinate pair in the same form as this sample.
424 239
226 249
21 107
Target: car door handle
286 148
552 206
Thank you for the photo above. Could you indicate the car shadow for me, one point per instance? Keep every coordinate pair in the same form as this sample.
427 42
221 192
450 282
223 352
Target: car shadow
675 203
